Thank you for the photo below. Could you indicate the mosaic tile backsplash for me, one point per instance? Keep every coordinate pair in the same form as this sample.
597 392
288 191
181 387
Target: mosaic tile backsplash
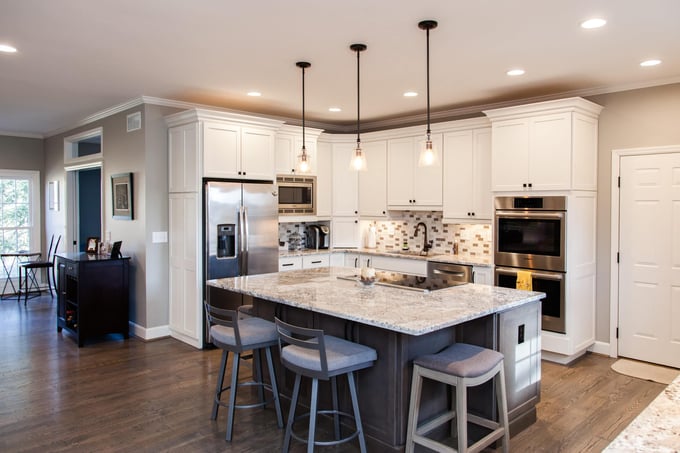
473 239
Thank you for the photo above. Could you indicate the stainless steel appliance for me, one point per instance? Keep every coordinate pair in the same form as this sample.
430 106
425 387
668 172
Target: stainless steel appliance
297 195
318 237
240 235
530 234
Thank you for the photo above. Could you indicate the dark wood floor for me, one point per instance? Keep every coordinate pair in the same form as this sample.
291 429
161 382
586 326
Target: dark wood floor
128 395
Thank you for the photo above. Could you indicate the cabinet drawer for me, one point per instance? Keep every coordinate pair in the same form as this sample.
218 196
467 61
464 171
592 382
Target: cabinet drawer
290 263
71 269
403 265
310 262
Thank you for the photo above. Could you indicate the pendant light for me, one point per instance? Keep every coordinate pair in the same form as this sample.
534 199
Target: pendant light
358 158
303 164
428 155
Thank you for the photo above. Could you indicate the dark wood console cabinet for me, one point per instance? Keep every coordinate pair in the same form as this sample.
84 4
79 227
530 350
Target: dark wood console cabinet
92 295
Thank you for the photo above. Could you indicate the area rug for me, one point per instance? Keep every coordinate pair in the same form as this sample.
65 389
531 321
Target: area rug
644 370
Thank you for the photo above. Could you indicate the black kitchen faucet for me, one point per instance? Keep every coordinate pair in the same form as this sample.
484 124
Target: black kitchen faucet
427 245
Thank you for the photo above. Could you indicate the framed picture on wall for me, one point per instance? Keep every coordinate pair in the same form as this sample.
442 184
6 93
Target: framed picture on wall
122 193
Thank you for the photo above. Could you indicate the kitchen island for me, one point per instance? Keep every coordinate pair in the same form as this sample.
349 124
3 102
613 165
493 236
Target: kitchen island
402 324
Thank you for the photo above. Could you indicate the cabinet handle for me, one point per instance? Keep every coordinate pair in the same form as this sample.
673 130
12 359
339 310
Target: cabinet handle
292 170
356 212
530 184
287 264
368 262
244 173
316 262
524 185
356 221
356 262
383 212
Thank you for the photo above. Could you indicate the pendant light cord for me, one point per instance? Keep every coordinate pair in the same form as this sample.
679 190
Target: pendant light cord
358 102
428 83
303 108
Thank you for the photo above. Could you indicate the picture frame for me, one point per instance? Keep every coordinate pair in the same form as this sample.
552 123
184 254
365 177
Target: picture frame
122 194
92 245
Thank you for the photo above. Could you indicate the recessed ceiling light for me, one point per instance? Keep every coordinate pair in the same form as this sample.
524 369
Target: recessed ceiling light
593 23
515 72
410 94
7 48
650 63
254 94
334 109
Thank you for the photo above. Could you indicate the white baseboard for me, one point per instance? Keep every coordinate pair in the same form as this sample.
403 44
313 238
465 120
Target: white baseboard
151 333
600 347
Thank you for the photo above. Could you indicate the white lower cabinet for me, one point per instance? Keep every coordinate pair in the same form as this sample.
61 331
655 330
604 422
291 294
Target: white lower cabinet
291 263
482 275
402 265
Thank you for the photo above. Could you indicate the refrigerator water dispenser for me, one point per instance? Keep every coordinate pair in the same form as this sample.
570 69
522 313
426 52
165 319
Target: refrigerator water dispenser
226 240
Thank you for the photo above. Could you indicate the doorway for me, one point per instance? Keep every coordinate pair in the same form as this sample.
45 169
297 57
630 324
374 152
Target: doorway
647 230
89 206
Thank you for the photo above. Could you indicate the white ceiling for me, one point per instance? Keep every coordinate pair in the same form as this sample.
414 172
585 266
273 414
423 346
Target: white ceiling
78 57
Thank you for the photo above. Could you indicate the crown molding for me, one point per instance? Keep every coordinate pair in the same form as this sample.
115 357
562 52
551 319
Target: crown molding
367 126
21 135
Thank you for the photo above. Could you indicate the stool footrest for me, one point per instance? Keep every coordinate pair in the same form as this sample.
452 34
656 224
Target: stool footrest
245 406
328 442
435 422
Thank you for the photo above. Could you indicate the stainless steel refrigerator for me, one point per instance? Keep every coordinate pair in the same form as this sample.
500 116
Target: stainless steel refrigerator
240 235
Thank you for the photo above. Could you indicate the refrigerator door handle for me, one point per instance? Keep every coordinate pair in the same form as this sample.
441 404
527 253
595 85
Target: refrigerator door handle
243 220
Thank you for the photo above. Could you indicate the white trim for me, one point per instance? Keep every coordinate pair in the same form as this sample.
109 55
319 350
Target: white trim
600 347
150 333
22 134
617 154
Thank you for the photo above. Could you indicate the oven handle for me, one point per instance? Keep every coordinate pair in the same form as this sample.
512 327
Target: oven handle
533 215
556 276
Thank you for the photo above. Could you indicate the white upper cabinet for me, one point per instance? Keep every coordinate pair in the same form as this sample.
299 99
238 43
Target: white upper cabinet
408 185
467 175
373 181
345 181
289 147
227 146
545 146
183 155
324 179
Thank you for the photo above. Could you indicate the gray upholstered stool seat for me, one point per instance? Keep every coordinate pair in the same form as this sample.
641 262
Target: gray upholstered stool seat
232 334
246 310
310 353
460 365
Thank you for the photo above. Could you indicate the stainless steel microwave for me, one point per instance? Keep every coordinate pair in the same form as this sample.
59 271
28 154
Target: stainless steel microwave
297 195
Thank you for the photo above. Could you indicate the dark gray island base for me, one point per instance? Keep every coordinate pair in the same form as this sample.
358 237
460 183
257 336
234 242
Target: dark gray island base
383 318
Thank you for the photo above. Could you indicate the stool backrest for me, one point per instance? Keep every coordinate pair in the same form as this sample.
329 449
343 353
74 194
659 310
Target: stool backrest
52 252
223 317
305 338
49 250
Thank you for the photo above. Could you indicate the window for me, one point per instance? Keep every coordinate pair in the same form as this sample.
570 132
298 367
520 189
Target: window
19 211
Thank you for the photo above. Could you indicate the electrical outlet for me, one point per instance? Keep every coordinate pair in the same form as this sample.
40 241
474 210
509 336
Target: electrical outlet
520 334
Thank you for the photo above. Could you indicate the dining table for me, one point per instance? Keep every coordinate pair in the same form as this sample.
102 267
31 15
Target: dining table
10 261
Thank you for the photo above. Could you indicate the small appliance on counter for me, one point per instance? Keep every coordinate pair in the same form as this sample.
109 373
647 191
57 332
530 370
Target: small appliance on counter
318 237
371 237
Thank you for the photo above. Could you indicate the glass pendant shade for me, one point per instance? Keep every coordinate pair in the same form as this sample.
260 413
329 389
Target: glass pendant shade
428 155
358 161
303 163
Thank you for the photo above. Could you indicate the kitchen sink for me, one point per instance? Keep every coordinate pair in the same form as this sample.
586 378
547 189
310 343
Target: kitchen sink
407 252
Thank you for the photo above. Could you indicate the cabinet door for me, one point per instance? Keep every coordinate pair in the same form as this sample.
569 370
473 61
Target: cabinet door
345 232
427 181
550 152
373 181
510 155
345 181
482 197
324 178
352 260
290 263
400 172
482 275
257 154
285 164
183 158
221 150
186 306
457 162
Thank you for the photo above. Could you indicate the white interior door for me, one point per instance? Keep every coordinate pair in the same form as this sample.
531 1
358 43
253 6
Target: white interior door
649 269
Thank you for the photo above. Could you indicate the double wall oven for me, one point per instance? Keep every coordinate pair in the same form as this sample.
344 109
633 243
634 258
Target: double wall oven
530 235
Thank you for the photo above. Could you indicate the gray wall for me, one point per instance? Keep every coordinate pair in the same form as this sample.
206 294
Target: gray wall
631 119
143 153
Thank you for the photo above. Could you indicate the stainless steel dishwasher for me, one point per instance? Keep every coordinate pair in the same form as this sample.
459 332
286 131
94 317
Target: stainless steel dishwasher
458 273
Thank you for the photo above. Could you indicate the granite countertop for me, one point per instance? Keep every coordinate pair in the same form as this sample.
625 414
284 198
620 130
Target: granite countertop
656 429
397 309
472 260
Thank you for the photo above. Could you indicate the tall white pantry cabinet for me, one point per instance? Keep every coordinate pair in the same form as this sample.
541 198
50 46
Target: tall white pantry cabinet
550 148
205 144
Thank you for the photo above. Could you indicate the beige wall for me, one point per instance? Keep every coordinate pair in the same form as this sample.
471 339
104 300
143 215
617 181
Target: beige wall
143 153
630 119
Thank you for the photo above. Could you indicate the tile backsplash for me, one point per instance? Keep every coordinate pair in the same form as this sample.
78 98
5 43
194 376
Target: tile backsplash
473 239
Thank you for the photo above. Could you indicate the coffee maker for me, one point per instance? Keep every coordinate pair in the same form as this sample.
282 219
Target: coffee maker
318 237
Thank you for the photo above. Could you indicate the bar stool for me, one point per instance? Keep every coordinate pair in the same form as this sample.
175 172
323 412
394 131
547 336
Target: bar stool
460 365
312 354
232 334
